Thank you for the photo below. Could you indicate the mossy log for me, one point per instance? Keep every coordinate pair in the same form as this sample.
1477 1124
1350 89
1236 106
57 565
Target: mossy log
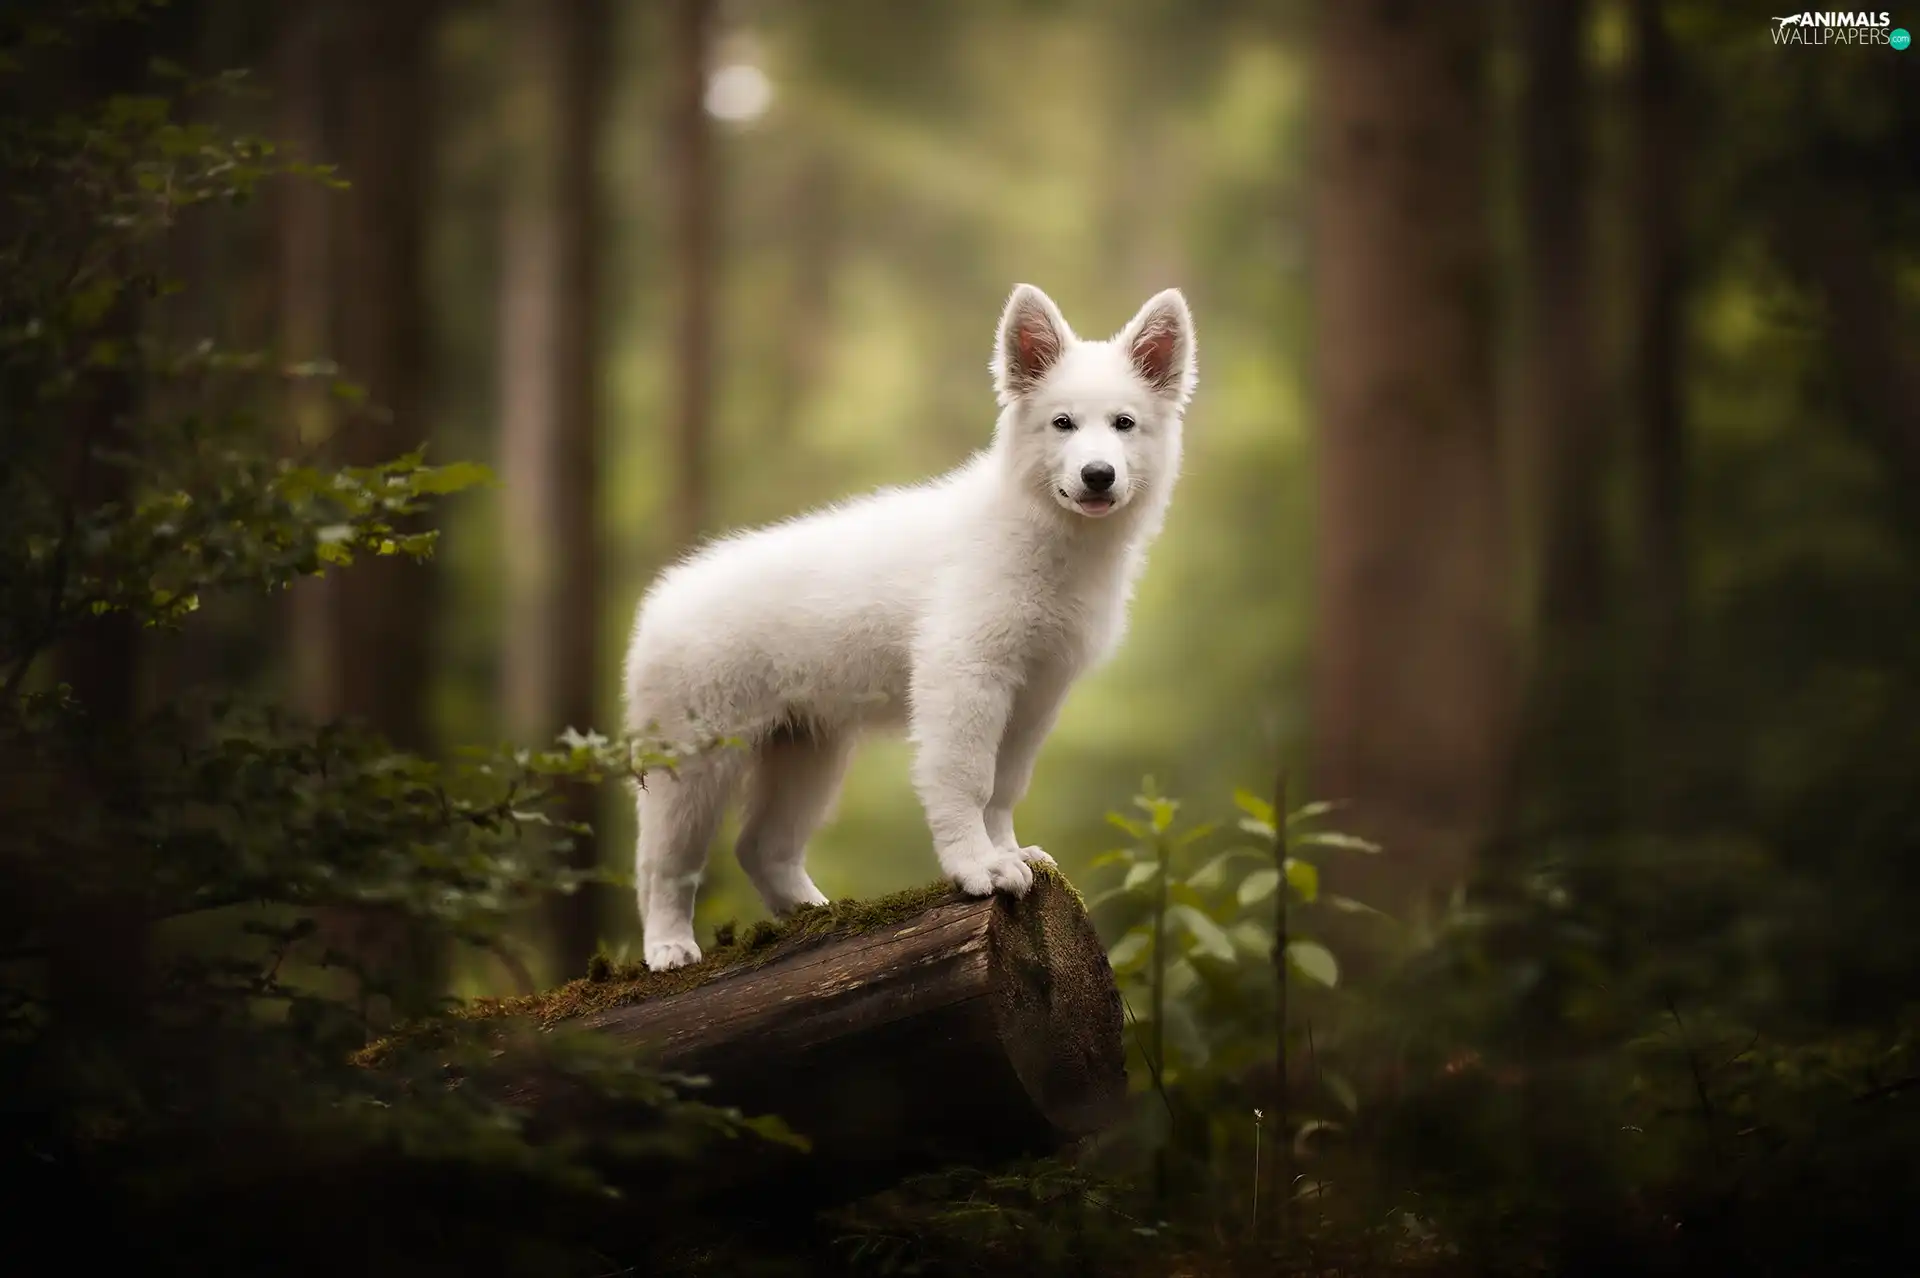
898 1035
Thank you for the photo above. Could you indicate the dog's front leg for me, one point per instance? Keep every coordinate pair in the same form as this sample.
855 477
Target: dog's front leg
1035 710
960 714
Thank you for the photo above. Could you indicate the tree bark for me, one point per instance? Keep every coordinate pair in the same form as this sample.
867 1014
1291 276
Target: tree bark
99 947
550 408
1661 441
1560 357
1413 644
696 228
1829 244
384 615
304 242
974 1032
1566 755
382 610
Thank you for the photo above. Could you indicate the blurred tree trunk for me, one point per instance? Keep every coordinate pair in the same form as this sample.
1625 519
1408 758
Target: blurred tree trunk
1566 743
1413 649
1560 380
383 609
306 271
1828 240
549 347
696 230
1661 456
99 969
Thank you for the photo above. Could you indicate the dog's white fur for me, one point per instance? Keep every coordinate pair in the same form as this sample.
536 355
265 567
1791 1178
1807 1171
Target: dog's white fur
961 609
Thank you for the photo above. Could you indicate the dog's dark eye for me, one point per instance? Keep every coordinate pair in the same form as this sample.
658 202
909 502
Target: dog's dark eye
1123 422
1063 422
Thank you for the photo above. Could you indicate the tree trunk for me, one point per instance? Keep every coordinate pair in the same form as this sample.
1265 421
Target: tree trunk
99 969
970 1031
383 609
1829 243
1661 441
549 348
1560 356
696 231
1566 752
1413 645
306 270
384 618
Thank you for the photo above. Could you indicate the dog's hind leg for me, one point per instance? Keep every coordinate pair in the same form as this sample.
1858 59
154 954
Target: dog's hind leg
796 778
679 813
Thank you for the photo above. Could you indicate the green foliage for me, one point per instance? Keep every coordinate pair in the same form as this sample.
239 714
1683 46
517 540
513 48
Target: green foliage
187 893
1193 942
1196 930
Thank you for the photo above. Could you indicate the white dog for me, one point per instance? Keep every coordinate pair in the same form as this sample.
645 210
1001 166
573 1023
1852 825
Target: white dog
961 609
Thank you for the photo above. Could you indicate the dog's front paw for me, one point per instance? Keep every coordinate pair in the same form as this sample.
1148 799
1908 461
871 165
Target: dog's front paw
664 956
999 872
799 899
1034 854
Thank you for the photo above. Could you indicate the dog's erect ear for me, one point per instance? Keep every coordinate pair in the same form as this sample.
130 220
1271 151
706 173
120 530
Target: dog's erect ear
1159 341
1031 340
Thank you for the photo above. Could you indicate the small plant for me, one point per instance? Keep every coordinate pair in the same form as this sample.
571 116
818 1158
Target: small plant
1182 929
1206 950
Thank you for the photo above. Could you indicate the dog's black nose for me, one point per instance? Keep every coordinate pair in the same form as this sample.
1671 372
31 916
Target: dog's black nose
1097 476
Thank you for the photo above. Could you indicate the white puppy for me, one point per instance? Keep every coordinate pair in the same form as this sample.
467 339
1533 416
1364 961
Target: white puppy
961 609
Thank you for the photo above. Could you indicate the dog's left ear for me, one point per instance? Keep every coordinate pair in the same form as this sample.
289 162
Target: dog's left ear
1159 342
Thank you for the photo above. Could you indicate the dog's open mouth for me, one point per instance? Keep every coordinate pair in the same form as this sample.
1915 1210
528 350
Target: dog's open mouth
1094 504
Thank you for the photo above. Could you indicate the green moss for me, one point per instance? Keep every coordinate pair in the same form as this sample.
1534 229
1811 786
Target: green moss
622 984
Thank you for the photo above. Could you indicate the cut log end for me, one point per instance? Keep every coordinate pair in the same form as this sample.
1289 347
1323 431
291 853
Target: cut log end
1057 1007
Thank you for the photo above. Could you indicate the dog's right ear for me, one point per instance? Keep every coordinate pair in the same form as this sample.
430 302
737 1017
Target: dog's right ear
1032 337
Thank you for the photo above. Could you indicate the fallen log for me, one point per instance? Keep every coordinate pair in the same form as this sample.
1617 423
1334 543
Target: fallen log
923 1030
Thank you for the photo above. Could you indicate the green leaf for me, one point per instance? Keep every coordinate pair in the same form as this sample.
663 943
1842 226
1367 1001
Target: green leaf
451 478
1314 961
1213 874
1127 950
773 1128
1139 874
1161 812
1330 839
1304 878
1186 1036
1196 834
1128 824
1119 856
1254 806
1259 829
1208 935
1182 979
1347 905
1310 812
1187 894
1252 938
1258 886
